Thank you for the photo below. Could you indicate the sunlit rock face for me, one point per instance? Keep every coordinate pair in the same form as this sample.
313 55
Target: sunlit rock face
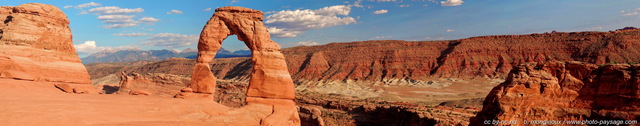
36 45
270 82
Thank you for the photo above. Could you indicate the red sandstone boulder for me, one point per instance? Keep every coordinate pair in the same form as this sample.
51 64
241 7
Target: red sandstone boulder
139 92
186 90
150 84
64 87
78 89
35 45
191 95
85 90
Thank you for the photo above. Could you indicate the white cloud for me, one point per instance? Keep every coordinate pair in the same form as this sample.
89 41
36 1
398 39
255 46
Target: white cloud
68 6
631 13
114 10
282 33
386 0
596 28
148 19
87 47
90 47
234 1
116 17
117 21
380 12
450 30
176 50
90 4
208 9
290 23
380 37
120 25
406 5
171 40
307 43
174 12
358 3
132 34
451 3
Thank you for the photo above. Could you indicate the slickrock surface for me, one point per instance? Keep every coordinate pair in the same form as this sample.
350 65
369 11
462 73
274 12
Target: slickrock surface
36 45
270 82
46 105
565 91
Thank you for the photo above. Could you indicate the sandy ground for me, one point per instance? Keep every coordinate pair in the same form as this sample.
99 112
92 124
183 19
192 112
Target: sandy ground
31 103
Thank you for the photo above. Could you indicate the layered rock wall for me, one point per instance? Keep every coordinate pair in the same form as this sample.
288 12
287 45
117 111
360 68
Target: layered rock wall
36 45
485 56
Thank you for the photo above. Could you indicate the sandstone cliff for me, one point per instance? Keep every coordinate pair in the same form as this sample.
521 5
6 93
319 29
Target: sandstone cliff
490 56
35 45
565 91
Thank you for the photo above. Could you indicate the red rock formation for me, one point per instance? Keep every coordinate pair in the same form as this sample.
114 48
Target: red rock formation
35 45
270 78
392 61
151 84
395 61
270 82
565 91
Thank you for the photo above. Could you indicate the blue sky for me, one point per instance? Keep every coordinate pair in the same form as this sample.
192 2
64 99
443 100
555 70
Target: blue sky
99 25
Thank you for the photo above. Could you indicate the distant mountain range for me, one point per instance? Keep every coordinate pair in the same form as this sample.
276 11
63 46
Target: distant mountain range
139 55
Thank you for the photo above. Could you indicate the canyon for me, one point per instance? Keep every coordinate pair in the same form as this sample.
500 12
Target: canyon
448 78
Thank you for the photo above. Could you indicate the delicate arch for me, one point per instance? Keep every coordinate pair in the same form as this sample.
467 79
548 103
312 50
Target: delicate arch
270 77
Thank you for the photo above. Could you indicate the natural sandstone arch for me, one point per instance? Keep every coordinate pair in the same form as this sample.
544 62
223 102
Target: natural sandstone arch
270 82
270 77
